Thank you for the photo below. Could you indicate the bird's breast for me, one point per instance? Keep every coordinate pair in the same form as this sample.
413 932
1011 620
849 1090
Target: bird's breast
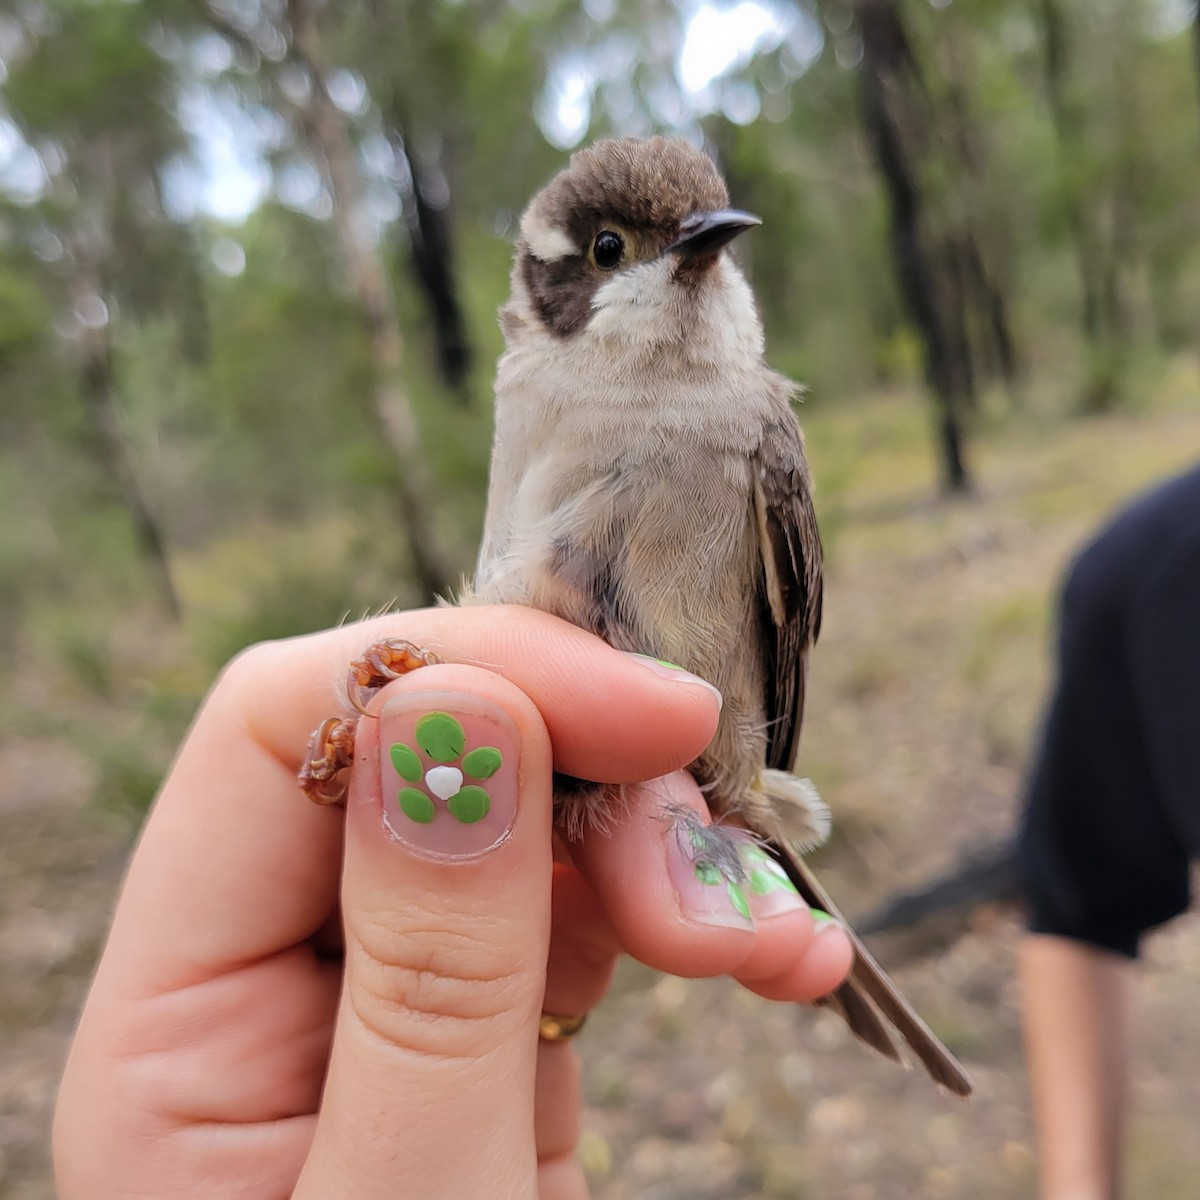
648 545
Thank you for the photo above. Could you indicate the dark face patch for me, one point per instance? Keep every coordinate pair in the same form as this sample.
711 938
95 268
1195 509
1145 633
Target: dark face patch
561 290
642 187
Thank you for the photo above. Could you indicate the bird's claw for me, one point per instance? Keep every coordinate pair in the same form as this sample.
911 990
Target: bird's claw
383 662
331 749
329 753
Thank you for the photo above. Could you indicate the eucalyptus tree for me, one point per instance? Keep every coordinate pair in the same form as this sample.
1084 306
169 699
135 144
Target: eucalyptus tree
1123 191
93 101
455 86
283 65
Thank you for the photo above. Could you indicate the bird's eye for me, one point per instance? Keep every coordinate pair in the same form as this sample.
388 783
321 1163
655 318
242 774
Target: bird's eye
607 249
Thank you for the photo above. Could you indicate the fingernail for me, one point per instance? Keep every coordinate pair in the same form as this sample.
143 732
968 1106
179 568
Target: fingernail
449 770
767 886
706 876
673 671
823 920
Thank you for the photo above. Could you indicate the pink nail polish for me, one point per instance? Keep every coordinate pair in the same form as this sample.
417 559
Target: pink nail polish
449 772
709 884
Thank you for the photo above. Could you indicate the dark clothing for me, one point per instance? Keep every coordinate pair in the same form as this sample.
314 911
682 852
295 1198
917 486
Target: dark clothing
1113 814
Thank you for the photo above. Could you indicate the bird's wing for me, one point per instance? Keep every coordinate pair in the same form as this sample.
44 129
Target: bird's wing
869 1001
791 581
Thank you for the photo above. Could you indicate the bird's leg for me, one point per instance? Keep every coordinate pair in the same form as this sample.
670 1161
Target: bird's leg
331 750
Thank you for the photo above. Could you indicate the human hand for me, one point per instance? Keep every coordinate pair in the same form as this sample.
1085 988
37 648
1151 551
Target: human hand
297 1001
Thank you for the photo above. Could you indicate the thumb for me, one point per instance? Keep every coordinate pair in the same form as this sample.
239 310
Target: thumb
446 908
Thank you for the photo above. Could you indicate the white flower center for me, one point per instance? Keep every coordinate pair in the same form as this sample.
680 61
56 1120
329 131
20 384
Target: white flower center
444 782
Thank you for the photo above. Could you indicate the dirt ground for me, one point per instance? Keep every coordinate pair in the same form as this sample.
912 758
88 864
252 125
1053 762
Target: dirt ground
926 689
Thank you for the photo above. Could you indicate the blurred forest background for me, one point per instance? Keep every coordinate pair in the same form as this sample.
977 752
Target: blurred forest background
250 257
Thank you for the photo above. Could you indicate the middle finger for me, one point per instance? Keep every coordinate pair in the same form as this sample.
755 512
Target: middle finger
673 916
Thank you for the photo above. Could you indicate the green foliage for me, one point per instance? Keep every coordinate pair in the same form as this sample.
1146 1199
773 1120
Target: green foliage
25 567
93 71
315 575
128 777
24 317
84 653
1104 380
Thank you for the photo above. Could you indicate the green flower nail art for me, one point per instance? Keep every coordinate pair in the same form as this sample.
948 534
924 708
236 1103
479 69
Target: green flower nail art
710 874
407 764
441 737
764 874
443 740
416 806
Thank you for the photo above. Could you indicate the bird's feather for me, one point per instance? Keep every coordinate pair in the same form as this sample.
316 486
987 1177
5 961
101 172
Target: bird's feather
792 594
869 998
791 582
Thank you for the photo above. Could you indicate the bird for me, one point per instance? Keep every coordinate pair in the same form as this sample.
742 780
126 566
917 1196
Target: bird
649 484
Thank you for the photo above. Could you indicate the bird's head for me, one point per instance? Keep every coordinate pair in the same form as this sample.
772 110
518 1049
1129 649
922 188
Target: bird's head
628 242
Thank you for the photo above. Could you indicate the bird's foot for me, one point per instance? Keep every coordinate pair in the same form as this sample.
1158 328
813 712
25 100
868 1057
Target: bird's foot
331 750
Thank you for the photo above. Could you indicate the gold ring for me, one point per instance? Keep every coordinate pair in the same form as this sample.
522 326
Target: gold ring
553 1028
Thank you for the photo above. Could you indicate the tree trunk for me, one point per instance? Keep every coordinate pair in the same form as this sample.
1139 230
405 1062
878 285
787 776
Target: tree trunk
328 133
993 332
431 253
98 390
985 303
896 116
955 479
191 303
1068 135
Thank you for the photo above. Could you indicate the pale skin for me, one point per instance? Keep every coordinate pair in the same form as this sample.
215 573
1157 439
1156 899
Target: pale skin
293 1004
1075 1004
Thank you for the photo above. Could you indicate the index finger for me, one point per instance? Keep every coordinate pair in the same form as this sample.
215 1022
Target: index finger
234 863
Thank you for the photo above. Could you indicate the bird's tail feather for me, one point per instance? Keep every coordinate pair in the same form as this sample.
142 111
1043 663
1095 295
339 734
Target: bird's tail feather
869 1001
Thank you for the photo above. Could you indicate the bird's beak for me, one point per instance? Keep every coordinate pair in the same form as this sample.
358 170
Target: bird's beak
702 234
